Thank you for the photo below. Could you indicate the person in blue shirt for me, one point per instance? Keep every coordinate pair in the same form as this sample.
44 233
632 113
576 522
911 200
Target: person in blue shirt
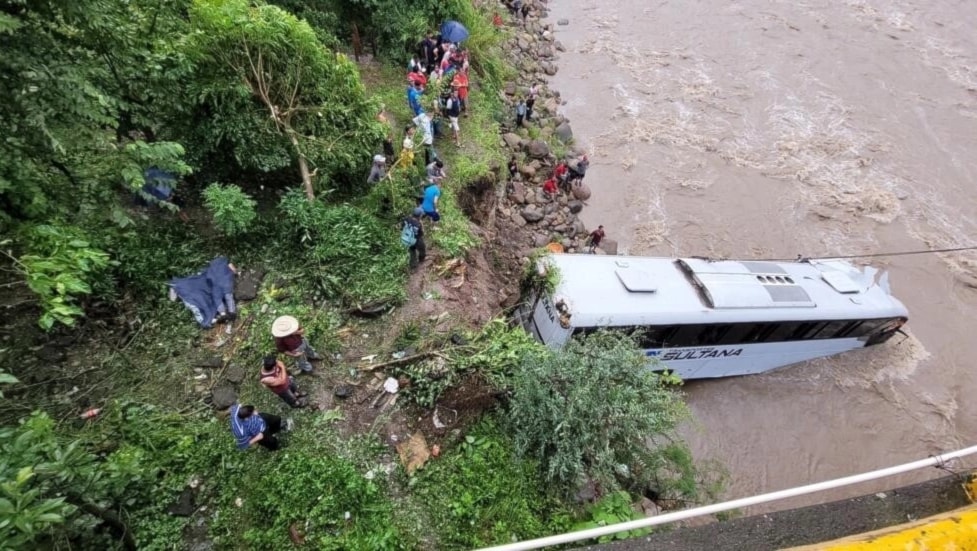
414 92
250 427
430 204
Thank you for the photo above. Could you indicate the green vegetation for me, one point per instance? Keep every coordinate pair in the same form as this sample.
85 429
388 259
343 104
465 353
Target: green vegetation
591 412
104 424
232 209
479 495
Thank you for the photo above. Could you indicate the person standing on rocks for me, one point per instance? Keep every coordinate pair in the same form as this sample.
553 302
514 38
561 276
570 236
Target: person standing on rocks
513 167
275 378
520 112
290 340
453 109
432 194
531 101
250 427
595 238
412 236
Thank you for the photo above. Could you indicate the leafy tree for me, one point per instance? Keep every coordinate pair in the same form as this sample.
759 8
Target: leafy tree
593 411
278 95
73 76
232 209
52 492
60 267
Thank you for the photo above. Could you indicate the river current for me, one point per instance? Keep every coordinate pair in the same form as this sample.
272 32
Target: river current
768 129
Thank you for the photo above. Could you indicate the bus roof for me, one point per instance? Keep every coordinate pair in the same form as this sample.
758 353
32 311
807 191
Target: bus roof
632 290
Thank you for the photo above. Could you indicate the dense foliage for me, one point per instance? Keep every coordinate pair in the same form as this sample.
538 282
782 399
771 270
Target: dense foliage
592 412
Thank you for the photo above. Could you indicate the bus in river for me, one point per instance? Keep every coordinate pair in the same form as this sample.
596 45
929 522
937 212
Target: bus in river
701 318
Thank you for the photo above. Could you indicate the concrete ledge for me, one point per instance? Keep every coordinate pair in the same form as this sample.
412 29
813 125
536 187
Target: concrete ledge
809 525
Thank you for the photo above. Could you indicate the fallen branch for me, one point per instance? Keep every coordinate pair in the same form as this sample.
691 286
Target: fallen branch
402 361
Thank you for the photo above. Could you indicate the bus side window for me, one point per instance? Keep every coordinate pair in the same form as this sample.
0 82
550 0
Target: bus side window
868 327
759 333
737 333
831 329
657 336
712 335
783 331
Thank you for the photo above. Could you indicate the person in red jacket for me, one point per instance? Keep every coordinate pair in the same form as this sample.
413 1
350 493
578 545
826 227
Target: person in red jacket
549 187
275 378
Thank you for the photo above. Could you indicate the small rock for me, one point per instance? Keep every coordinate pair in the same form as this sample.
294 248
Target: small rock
528 170
183 506
213 362
343 391
518 220
575 206
563 22
223 396
549 68
559 46
235 374
541 241
518 198
510 88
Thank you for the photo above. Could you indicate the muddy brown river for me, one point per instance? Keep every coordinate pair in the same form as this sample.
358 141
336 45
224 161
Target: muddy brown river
767 129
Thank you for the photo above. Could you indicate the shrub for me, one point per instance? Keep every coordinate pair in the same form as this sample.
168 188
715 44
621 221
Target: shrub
593 411
61 265
355 257
478 494
232 209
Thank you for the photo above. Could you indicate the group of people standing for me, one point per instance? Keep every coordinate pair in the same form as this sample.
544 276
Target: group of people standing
251 427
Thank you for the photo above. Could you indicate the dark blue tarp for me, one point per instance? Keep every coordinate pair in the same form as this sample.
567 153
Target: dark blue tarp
203 292
159 184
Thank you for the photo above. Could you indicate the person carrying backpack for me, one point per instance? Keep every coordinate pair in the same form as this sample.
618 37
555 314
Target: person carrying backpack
412 237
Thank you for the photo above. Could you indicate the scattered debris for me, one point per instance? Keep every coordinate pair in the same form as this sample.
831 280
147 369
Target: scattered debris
391 385
449 419
89 414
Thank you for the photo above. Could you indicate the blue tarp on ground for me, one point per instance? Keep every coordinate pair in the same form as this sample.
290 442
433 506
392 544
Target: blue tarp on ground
203 293
159 184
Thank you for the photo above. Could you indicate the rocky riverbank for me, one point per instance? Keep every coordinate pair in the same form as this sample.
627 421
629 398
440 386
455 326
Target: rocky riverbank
525 212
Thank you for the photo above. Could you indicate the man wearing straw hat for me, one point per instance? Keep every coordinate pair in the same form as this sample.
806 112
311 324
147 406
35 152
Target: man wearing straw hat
290 340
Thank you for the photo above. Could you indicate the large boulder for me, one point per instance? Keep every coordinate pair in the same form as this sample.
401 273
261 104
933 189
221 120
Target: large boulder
510 88
537 149
581 192
512 141
608 245
528 170
564 132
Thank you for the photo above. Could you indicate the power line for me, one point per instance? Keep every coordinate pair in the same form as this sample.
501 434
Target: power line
872 255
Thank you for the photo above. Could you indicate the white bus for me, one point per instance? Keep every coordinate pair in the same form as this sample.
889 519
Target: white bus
701 318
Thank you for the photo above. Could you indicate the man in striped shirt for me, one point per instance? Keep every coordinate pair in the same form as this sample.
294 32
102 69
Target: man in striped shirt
250 427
